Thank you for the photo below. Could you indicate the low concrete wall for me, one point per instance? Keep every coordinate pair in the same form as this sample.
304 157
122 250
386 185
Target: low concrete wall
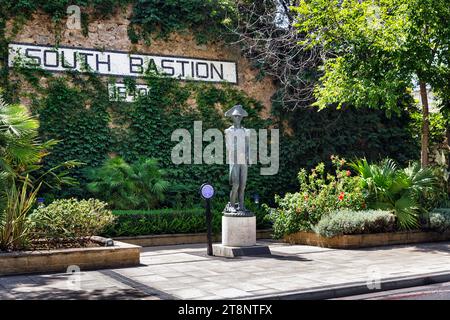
119 255
365 240
187 238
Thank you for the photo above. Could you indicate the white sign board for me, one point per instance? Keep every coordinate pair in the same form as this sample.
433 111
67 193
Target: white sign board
122 64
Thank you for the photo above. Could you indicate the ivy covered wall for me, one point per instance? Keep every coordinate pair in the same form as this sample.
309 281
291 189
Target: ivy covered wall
75 108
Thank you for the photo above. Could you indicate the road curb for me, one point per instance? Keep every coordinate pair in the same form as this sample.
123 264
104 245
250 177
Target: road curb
357 288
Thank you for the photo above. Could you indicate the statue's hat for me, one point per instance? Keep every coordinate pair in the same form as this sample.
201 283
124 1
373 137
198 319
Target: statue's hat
237 110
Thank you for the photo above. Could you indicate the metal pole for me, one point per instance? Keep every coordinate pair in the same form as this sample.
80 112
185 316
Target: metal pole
209 227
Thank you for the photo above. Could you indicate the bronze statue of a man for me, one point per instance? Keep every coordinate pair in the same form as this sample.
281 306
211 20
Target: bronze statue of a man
238 147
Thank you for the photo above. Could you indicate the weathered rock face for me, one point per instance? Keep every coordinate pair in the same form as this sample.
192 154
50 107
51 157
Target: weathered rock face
111 34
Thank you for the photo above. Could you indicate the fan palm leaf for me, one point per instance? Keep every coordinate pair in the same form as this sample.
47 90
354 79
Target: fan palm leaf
16 121
406 211
389 187
20 148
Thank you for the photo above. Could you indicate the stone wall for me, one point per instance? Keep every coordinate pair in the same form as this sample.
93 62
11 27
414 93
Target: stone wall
111 34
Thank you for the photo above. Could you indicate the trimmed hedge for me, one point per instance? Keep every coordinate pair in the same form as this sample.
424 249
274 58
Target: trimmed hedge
440 219
157 211
167 221
355 222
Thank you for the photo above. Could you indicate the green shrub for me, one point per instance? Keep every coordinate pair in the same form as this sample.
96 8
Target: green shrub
440 219
70 220
155 211
136 223
170 221
392 188
320 193
355 222
139 185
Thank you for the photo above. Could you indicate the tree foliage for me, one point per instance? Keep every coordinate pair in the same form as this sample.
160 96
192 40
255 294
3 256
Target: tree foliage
377 49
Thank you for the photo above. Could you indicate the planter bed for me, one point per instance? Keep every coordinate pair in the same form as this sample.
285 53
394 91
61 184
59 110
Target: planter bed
87 258
365 240
180 238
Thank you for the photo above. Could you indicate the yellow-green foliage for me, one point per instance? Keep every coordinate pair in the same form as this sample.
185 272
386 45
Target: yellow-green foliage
70 219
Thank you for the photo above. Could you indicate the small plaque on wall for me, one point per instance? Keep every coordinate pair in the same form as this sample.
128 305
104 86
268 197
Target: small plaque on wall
120 92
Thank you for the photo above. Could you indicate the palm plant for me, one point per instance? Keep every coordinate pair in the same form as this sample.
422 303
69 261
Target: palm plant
149 181
139 185
18 133
21 151
391 188
20 172
18 149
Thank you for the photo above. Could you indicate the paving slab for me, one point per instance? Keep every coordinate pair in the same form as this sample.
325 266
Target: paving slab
292 271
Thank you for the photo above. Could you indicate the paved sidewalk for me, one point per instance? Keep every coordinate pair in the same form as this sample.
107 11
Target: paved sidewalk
186 272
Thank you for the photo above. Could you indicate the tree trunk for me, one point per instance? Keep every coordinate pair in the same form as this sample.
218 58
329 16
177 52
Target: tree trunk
425 124
447 135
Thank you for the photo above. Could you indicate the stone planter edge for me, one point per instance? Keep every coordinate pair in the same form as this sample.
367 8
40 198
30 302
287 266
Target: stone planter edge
366 240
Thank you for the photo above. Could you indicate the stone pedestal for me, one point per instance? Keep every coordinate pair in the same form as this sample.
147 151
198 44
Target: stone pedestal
239 238
238 231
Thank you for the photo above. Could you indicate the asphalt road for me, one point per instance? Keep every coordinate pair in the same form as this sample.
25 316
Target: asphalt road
440 291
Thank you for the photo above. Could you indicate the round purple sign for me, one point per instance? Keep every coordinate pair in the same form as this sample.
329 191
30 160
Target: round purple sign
207 191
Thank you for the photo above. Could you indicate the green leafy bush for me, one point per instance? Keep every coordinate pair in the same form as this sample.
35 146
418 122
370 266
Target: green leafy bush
320 193
70 220
440 219
389 187
166 221
355 222
139 185
170 221
437 197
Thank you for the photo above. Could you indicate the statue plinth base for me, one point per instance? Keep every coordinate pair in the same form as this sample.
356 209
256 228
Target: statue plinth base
239 231
220 250
239 238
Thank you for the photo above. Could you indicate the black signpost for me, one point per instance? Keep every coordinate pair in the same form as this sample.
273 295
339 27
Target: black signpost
207 192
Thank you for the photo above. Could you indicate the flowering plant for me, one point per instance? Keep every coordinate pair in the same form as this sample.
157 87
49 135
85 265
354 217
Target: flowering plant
320 193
